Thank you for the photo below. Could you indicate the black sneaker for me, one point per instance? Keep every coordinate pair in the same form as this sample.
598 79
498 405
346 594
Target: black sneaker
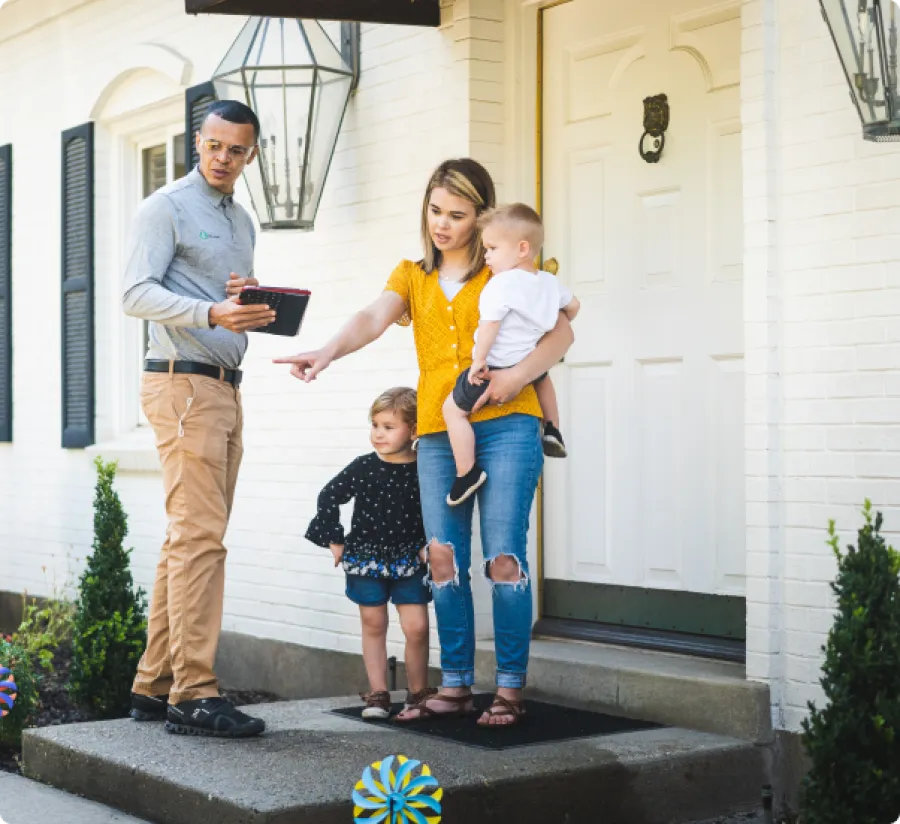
214 717
553 442
463 488
148 707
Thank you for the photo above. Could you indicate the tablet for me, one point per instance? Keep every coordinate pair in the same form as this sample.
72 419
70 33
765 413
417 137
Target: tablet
289 305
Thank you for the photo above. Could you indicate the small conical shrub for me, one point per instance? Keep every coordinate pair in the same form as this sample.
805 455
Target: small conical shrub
110 628
854 741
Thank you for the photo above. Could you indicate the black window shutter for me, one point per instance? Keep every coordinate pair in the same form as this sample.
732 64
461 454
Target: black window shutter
196 103
78 286
6 293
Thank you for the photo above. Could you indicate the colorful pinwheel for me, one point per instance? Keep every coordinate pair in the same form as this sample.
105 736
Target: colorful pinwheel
382 796
8 690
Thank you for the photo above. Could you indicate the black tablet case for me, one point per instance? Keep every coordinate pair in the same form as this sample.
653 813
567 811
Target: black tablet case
289 305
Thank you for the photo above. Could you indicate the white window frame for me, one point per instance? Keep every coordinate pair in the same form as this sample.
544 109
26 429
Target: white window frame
147 140
126 436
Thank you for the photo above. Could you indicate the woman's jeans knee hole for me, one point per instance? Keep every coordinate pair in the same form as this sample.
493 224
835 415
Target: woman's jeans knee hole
523 579
454 579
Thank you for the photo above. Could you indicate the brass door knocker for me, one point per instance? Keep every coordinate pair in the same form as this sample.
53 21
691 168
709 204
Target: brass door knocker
656 121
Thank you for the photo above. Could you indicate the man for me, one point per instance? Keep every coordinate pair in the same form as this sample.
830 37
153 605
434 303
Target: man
188 241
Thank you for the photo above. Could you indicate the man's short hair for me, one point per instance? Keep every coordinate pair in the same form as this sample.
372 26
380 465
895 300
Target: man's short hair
234 112
519 218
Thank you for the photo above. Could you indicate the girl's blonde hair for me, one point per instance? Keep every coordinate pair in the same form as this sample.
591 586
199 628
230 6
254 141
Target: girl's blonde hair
468 179
400 399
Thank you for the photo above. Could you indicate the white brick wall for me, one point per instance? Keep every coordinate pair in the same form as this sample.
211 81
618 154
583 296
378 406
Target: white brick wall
822 295
424 95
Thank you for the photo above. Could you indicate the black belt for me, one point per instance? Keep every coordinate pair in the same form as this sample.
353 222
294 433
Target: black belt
232 376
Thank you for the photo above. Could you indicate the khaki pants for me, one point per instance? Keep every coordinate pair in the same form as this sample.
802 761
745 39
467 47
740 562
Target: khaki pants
197 422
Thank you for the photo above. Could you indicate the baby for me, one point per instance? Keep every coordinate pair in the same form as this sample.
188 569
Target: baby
518 306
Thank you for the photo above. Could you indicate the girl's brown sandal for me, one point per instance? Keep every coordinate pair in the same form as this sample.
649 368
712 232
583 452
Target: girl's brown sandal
413 698
378 705
463 705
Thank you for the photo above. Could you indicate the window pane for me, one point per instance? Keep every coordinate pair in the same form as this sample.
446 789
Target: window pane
180 167
154 168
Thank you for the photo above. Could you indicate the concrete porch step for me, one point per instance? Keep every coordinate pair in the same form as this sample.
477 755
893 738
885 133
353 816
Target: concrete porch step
302 771
27 802
695 693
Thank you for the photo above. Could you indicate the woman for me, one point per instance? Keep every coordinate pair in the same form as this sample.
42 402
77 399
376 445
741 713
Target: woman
439 296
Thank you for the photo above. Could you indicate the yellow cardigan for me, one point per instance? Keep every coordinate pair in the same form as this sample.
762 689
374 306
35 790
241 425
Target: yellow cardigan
445 336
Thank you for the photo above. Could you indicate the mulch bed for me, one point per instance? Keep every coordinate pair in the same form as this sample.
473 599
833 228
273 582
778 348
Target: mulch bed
56 708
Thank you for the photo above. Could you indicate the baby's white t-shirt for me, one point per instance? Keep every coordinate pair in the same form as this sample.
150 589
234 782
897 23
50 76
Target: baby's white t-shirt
527 304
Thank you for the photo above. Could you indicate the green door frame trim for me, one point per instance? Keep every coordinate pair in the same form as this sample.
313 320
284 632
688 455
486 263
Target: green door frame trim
693 613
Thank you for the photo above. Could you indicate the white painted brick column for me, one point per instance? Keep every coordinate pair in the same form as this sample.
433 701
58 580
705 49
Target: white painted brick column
763 342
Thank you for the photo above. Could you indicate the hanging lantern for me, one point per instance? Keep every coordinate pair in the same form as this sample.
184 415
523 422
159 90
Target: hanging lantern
865 36
297 81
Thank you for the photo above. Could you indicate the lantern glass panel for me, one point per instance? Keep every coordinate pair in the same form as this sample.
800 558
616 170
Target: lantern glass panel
330 100
282 100
326 53
239 51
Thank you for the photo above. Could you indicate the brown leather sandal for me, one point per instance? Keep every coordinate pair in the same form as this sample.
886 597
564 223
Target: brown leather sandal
507 709
463 705
413 698
378 705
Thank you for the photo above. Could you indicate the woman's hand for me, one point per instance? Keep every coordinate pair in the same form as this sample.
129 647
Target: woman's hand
307 365
503 386
338 551
359 331
236 283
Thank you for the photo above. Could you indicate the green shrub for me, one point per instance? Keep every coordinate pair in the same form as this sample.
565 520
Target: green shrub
45 628
17 660
110 629
854 741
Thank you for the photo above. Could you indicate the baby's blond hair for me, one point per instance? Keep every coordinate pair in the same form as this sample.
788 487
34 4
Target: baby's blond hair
400 399
519 218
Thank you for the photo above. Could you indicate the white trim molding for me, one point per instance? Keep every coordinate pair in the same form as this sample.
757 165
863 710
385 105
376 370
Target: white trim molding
147 56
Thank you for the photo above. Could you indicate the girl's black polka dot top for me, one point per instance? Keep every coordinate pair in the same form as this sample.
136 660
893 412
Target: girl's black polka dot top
386 533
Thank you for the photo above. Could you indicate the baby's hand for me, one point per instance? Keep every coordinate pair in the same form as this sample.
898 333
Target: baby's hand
476 372
338 551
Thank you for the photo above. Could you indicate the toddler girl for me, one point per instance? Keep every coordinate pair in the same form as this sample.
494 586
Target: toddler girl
380 554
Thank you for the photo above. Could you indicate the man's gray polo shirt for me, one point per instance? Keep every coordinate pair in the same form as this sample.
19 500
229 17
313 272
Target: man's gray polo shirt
186 239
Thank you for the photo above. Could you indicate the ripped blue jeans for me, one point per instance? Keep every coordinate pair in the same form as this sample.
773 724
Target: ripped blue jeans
509 450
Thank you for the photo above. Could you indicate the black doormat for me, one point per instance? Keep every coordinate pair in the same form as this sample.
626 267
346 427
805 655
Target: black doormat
542 724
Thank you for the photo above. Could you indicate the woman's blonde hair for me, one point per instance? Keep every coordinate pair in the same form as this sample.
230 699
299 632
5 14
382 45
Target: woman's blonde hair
468 179
400 399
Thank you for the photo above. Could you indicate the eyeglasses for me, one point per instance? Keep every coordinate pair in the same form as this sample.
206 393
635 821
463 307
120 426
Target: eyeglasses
215 147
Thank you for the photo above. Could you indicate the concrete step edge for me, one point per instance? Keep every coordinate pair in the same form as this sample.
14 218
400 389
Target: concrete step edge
732 707
663 789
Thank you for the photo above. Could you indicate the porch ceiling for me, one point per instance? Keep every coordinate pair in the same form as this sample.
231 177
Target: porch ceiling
409 12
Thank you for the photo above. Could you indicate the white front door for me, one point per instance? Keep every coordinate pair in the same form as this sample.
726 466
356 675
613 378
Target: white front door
652 493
